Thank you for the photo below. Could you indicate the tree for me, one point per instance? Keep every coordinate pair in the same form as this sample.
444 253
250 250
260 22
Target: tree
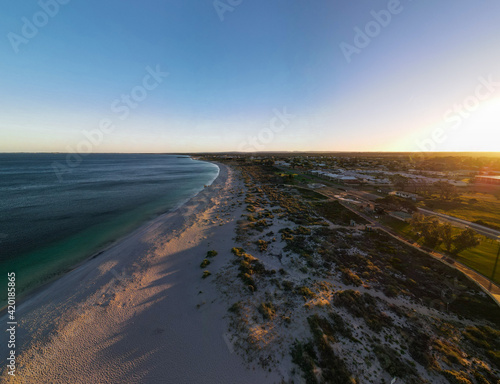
416 222
422 187
465 240
446 190
431 233
429 229
446 232
412 184
400 182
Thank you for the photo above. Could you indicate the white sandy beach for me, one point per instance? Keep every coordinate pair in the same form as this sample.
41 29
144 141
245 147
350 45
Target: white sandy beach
140 312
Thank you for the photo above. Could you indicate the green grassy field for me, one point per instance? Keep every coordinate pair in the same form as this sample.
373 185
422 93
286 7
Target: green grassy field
486 208
481 258
399 226
302 178
296 179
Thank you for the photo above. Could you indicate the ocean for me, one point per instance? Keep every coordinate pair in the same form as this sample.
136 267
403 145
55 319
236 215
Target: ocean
52 220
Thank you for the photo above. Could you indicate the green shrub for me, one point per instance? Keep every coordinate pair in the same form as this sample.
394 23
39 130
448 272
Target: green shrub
212 253
238 251
262 244
235 308
204 263
304 356
365 306
339 325
486 338
349 277
260 225
456 377
287 285
249 266
206 274
483 336
420 350
267 310
480 378
450 353
393 365
301 230
305 291
333 368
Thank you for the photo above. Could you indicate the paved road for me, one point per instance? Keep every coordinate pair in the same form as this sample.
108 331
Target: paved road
485 231
481 229
482 281
365 195
485 283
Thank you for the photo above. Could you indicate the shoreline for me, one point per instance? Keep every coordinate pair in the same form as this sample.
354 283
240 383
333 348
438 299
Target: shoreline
144 294
104 248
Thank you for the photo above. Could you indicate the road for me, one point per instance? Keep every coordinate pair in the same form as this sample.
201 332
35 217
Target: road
479 279
482 281
485 231
367 197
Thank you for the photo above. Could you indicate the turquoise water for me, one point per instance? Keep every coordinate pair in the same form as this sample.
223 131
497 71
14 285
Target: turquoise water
49 223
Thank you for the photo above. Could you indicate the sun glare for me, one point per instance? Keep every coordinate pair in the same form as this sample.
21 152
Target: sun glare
480 130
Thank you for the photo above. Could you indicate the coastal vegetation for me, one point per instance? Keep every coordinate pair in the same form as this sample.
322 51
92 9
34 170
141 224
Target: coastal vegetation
206 273
211 253
334 212
365 307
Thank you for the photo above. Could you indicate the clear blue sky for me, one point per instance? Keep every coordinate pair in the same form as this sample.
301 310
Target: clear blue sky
226 77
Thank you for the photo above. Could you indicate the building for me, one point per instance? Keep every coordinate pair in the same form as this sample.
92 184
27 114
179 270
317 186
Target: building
369 207
458 183
337 177
349 180
281 163
405 195
316 186
403 216
487 180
